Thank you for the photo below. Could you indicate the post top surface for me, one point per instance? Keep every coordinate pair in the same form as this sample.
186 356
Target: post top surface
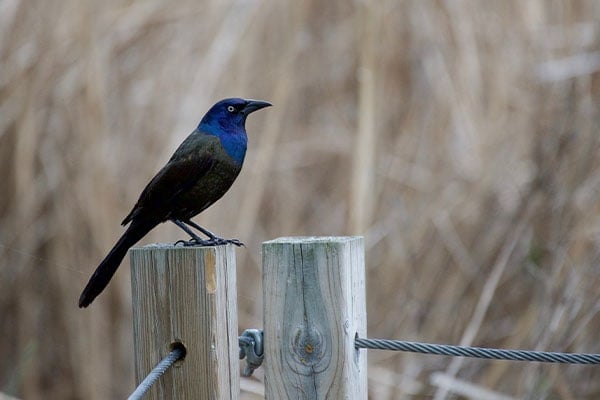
314 239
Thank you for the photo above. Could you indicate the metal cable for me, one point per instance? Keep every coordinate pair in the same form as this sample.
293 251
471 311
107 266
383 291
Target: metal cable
162 367
249 342
477 352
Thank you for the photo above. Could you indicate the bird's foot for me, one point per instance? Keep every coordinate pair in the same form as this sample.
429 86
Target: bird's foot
235 242
193 242
217 241
214 241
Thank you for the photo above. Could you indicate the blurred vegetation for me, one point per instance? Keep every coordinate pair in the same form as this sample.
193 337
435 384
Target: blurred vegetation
460 137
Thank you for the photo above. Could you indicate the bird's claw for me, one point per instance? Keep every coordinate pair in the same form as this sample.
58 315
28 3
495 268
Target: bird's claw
215 241
236 242
193 242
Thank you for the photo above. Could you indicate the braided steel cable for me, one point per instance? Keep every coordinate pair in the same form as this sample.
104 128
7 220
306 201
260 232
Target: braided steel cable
476 352
176 354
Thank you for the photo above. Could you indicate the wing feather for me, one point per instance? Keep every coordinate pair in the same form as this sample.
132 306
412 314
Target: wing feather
191 161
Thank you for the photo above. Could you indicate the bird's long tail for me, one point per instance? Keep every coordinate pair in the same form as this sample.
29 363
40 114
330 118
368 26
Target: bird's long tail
111 262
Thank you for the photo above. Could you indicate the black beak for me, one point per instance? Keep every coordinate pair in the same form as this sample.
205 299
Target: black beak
254 105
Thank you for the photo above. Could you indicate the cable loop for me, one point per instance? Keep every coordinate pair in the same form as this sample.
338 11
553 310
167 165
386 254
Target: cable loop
251 348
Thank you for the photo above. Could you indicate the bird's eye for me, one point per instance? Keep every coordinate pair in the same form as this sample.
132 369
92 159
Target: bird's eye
230 108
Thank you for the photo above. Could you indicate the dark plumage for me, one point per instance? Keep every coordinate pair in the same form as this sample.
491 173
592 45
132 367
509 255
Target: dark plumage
199 173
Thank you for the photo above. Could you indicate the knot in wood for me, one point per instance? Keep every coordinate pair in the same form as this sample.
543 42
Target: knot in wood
310 348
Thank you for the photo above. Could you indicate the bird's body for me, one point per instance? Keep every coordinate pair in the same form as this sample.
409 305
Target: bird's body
199 173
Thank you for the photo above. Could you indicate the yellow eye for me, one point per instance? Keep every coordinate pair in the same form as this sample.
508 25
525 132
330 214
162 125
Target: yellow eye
230 109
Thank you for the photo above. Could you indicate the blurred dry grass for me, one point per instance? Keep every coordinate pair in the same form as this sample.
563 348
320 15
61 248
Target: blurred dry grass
461 137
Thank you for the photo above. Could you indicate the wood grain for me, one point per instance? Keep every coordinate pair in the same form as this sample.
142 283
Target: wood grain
186 295
314 305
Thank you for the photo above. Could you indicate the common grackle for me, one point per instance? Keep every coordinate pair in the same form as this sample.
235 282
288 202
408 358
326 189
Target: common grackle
199 173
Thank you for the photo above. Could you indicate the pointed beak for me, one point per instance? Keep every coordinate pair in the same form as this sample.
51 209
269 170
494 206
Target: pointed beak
254 105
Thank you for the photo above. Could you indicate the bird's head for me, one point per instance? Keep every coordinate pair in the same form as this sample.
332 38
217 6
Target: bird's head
229 115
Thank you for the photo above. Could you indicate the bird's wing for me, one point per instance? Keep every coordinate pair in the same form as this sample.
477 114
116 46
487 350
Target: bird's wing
190 162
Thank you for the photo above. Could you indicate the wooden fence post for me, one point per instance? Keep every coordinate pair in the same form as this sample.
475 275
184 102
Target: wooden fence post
314 305
186 295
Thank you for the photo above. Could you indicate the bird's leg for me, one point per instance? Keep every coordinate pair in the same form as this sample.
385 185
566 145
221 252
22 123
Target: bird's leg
211 236
195 240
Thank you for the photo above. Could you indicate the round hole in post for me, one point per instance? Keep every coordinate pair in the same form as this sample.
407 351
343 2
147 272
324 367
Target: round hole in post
178 346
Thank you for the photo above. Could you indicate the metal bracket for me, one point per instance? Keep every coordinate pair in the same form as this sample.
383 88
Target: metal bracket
251 348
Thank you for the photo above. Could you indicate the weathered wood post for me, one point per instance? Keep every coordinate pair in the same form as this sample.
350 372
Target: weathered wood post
186 295
314 305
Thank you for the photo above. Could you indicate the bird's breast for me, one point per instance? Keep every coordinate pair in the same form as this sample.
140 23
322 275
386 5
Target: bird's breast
234 146
208 189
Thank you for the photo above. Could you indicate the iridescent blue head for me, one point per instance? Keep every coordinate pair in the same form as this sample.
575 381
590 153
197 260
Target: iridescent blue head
227 119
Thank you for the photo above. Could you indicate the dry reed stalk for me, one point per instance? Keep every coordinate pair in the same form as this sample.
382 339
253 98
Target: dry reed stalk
362 193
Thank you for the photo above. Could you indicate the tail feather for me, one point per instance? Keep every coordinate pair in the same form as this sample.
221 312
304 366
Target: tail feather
111 262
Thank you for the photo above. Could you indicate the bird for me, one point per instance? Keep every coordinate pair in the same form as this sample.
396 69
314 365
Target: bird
199 172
